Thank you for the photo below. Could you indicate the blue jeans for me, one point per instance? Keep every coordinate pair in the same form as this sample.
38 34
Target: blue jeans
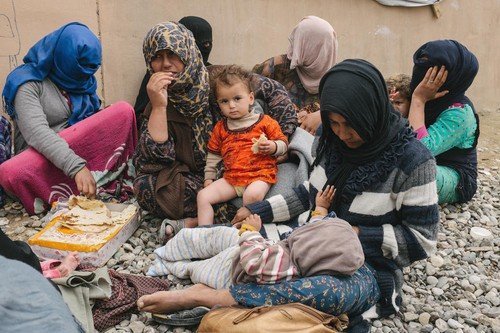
331 294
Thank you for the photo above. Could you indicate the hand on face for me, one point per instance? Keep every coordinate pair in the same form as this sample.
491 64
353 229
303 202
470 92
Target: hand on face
427 89
157 88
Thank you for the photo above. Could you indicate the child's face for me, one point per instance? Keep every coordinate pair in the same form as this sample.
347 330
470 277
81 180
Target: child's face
234 101
401 104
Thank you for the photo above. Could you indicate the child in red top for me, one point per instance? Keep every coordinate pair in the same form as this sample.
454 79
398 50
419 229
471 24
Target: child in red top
248 144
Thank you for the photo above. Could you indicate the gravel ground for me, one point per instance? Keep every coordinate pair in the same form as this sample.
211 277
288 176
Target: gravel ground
456 290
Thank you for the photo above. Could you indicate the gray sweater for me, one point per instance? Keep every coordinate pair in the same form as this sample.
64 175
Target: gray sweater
42 111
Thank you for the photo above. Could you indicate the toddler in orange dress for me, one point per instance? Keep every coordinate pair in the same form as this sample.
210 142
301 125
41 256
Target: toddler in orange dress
247 173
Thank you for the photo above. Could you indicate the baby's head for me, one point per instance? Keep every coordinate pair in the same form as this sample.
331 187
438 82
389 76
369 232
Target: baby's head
398 87
233 91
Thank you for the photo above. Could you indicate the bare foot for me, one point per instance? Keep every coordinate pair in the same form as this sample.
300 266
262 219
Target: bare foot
175 300
69 264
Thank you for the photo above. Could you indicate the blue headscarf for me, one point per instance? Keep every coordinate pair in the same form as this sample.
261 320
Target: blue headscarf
69 57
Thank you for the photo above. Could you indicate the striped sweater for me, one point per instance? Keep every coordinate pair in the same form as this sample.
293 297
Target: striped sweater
397 215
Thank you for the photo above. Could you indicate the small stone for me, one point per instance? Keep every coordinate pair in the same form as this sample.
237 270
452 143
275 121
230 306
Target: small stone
410 316
437 261
127 247
454 324
492 312
474 279
137 326
430 270
127 257
137 250
492 297
149 329
462 304
124 323
432 281
4 221
437 291
441 325
424 318
427 328
377 324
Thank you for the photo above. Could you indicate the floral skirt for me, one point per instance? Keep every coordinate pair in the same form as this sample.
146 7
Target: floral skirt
331 294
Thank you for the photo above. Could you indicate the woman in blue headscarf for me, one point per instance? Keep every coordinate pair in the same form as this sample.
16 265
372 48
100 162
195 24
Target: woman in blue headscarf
55 89
444 118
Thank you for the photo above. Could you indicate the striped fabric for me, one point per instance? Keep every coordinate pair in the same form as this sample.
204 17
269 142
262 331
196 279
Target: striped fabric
265 260
217 246
397 217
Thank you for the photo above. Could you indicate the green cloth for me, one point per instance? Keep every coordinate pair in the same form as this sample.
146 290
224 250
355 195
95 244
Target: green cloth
79 288
454 128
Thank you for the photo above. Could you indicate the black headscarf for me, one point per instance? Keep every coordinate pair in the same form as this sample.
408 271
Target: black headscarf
356 90
462 68
202 32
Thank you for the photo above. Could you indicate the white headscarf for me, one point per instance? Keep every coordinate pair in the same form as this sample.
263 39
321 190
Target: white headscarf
312 50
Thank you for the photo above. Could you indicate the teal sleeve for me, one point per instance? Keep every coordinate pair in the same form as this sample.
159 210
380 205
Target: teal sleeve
454 128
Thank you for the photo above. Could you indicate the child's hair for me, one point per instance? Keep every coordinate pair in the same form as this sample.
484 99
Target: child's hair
230 75
400 83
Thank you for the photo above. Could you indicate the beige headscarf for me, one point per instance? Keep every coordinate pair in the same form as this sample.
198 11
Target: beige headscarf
312 50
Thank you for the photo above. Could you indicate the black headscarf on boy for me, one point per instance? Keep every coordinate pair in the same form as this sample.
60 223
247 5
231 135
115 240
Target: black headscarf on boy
462 68
202 32
356 90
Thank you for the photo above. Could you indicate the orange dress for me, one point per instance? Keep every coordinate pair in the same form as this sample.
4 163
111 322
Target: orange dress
241 165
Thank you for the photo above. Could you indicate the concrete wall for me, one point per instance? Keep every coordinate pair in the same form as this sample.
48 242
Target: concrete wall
247 32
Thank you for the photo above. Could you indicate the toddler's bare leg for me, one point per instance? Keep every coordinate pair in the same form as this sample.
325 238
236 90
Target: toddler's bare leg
217 192
255 192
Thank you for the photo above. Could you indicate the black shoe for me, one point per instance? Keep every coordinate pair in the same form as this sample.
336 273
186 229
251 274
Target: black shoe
182 318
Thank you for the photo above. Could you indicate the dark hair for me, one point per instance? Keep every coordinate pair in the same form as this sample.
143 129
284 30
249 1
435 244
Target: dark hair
400 83
230 75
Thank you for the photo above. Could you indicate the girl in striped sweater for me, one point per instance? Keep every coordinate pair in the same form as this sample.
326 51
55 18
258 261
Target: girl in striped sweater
385 188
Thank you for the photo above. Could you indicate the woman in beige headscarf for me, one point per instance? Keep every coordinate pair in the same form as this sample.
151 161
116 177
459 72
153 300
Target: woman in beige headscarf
312 52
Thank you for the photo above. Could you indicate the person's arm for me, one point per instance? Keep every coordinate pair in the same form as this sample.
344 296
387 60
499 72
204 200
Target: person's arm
266 68
450 130
277 142
415 237
279 104
211 166
32 123
426 90
155 148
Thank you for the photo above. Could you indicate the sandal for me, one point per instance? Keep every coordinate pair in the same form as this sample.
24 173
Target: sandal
182 318
176 225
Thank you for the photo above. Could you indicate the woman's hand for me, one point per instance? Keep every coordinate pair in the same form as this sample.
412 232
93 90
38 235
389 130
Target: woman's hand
241 214
85 182
157 92
267 147
310 121
424 92
427 89
157 88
